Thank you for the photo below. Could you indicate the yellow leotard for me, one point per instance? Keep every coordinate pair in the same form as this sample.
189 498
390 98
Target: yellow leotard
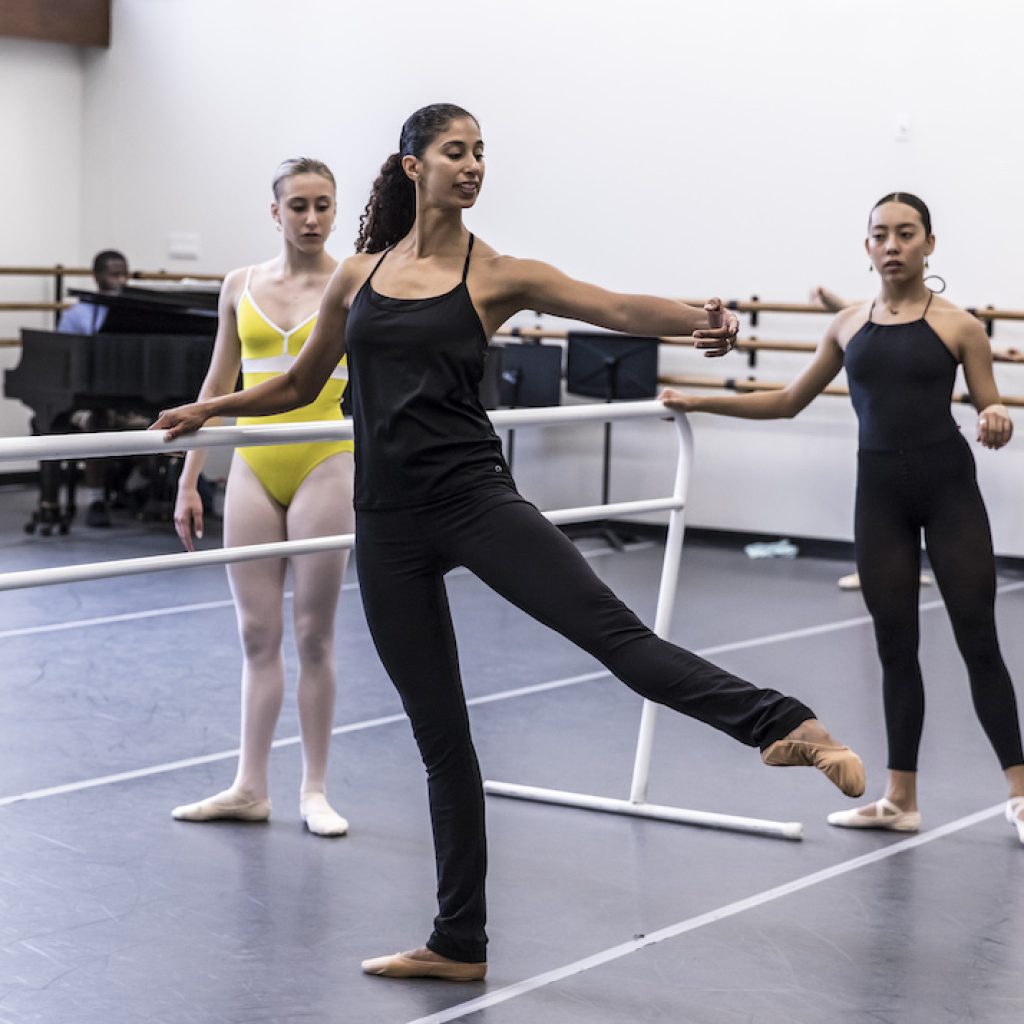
266 352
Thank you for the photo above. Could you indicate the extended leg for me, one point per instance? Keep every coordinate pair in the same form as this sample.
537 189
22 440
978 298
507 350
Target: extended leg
518 553
515 550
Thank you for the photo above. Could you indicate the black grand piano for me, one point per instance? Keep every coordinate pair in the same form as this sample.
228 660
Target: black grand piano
151 352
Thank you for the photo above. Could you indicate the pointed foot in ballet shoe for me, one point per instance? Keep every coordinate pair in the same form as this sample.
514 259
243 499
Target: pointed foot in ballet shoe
886 816
840 765
404 965
1015 814
223 807
320 817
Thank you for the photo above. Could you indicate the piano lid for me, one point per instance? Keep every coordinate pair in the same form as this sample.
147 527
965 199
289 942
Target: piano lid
156 311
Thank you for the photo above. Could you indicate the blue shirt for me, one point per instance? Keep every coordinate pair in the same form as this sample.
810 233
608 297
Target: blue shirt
83 318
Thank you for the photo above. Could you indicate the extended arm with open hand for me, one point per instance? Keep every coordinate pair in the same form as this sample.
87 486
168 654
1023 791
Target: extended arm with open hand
531 284
769 405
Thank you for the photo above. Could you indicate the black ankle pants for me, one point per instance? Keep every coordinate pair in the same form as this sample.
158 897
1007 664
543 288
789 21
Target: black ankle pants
933 489
402 556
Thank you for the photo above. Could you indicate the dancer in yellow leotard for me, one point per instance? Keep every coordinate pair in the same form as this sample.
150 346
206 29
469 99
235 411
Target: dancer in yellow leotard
268 350
282 492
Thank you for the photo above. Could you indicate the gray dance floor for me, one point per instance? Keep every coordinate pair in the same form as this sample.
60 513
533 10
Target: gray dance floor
120 700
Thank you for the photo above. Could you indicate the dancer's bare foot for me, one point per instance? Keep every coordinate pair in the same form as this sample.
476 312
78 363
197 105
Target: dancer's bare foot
811 744
424 963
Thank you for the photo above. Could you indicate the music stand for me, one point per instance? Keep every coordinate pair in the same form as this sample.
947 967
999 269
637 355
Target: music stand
611 366
530 377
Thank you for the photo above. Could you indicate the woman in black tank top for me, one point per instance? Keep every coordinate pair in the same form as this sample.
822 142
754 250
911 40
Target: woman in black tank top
915 474
414 312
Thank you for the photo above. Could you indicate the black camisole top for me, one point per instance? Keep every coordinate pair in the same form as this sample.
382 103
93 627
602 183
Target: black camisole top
901 382
415 365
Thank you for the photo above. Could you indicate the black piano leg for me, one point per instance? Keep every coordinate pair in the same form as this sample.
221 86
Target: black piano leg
50 513
70 507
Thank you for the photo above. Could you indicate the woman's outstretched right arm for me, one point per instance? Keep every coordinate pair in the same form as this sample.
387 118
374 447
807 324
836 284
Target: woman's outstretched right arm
771 405
290 390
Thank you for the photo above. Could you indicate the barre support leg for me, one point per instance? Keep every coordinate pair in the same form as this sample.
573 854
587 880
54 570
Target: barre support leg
636 806
677 815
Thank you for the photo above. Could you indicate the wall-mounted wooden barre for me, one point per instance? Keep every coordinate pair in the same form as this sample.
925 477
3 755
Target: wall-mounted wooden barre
135 275
737 305
742 345
1000 355
32 307
736 384
166 275
45 271
752 345
988 313
756 306
741 385
1008 355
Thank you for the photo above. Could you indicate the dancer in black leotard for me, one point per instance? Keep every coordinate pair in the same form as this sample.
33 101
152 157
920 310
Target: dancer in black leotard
433 491
915 472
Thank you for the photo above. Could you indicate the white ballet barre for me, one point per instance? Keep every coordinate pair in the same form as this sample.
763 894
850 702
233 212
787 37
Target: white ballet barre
145 442
637 806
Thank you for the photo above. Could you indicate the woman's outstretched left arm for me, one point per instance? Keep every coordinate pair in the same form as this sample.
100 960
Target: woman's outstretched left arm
530 284
995 428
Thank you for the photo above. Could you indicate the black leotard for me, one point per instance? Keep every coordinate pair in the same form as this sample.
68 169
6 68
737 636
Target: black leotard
415 367
901 379
915 473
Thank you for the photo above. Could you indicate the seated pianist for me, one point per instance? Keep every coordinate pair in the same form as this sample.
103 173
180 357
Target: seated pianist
125 353
110 271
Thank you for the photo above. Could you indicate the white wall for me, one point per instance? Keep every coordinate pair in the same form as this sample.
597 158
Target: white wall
41 88
726 147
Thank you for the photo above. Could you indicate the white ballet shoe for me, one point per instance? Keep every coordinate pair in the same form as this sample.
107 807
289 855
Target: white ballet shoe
320 817
852 582
887 816
226 806
1014 812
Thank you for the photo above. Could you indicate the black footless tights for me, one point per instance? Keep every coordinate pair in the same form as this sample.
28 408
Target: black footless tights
402 555
933 489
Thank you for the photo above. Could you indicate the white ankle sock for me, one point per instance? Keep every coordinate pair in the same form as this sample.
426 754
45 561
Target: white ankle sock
224 805
321 819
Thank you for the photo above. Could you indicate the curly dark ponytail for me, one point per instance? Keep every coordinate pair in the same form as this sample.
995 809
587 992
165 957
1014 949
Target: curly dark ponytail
391 210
